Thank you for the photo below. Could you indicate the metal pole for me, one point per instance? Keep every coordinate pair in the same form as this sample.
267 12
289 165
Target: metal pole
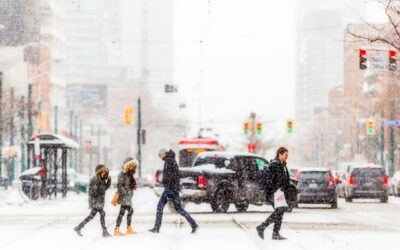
80 146
56 119
139 134
382 141
30 117
1 132
391 141
71 117
23 139
11 126
98 143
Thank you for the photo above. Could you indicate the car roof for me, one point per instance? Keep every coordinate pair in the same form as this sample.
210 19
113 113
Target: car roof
316 169
225 154
366 165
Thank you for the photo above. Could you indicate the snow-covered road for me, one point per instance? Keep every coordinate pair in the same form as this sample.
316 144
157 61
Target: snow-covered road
48 225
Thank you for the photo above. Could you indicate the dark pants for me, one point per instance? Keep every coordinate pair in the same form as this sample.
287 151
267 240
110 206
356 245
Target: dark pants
122 213
173 195
276 218
92 215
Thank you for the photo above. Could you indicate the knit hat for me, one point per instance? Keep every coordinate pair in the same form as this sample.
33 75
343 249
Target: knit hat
162 151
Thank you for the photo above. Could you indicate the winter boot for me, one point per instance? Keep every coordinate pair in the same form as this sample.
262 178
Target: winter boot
195 227
105 233
130 230
154 230
260 231
277 236
117 232
78 231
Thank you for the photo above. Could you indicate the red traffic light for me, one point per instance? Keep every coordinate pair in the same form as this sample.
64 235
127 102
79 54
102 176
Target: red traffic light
392 53
363 52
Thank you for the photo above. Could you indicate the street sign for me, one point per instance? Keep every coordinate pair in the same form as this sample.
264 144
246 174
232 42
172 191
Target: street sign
394 123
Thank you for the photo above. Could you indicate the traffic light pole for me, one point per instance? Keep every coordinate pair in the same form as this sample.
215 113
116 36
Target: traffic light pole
391 141
1 133
139 135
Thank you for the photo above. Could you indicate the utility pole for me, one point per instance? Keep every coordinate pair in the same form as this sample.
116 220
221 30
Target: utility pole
1 131
139 135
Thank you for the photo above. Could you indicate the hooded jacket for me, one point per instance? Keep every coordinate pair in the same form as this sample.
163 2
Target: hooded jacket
171 172
98 187
126 182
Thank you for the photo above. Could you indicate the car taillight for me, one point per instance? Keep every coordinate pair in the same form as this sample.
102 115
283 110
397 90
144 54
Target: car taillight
385 181
351 180
329 177
201 181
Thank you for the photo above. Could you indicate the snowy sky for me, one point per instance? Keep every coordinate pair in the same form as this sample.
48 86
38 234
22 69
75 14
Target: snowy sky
246 56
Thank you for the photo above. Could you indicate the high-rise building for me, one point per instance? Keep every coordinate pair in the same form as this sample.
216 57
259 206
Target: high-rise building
320 26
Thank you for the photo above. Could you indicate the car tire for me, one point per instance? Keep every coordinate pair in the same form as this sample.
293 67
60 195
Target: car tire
334 205
348 199
385 199
242 207
220 203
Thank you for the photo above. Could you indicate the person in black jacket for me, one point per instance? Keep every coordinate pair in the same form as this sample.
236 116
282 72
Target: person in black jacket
276 177
171 192
98 186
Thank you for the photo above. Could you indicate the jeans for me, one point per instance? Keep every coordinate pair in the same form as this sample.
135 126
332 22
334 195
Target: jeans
173 195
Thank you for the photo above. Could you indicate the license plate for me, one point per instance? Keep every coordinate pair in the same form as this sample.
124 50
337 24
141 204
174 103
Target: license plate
313 185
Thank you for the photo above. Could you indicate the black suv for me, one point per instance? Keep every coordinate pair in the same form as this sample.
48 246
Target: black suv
367 181
316 186
221 179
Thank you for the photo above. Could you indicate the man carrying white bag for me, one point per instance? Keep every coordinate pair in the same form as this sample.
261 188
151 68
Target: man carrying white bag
277 180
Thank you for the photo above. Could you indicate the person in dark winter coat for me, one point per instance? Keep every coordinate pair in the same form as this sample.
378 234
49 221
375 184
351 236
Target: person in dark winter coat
98 186
276 177
126 185
171 191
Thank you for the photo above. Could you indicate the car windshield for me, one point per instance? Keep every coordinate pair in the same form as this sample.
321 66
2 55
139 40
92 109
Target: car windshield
368 173
219 162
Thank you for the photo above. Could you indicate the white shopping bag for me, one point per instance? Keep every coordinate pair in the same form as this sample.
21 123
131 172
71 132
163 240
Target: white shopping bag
279 199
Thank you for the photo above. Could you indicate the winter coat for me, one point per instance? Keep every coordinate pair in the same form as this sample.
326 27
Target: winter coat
276 177
127 183
97 189
171 172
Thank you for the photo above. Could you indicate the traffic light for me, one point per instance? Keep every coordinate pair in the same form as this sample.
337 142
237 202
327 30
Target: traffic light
392 60
289 126
363 58
128 115
258 128
246 128
370 126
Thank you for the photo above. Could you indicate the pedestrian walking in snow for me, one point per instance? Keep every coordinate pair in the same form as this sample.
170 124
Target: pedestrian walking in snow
126 185
97 190
171 192
277 181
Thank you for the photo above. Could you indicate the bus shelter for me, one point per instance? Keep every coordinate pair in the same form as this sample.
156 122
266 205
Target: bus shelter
50 152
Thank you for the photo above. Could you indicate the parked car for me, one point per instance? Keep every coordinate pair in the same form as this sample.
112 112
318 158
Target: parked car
316 186
367 181
395 184
222 178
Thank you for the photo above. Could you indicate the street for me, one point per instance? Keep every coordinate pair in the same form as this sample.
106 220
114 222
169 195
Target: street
48 225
